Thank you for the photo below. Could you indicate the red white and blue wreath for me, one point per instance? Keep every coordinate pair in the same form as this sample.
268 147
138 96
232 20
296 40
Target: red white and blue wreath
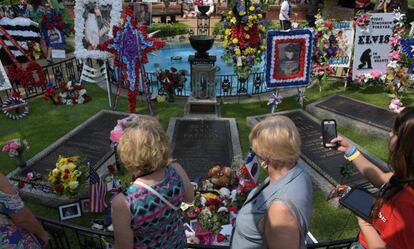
15 108
288 60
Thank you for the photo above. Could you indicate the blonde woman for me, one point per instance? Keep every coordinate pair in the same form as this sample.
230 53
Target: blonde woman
277 213
146 215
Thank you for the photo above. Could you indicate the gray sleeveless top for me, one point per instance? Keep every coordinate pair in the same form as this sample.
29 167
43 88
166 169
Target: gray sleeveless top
294 189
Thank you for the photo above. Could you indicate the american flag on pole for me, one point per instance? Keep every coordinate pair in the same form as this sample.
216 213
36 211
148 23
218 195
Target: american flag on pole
97 192
251 168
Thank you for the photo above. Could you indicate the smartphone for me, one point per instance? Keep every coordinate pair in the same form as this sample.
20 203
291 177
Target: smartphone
329 133
359 201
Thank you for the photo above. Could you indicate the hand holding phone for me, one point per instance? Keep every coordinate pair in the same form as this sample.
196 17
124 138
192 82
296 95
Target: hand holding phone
329 132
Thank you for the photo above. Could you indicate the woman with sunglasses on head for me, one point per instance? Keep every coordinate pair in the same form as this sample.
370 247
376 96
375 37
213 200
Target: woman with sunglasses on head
392 218
277 213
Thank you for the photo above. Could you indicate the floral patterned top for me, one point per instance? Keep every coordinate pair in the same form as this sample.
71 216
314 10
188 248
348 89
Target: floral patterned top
12 236
154 223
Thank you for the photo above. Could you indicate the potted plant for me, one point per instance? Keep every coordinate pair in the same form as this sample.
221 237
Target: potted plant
172 79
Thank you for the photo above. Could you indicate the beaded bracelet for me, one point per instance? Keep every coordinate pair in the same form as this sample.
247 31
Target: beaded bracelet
353 156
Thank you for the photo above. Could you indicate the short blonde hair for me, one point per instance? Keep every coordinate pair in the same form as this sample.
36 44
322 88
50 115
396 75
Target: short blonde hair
144 147
276 140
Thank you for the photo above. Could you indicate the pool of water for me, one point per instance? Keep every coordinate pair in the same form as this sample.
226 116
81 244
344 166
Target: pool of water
177 56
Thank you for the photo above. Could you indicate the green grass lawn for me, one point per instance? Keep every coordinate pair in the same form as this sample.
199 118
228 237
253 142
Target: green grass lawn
46 123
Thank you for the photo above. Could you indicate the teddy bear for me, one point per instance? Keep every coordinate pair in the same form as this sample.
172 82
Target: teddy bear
220 176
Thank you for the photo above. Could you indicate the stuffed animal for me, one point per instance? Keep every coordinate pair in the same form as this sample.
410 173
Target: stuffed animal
220 176
396 105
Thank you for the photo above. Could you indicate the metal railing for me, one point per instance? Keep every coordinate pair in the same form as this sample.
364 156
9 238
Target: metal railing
70 236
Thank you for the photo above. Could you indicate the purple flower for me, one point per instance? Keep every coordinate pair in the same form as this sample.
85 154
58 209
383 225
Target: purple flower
231 48
258 10
240 6
244 19
224 23
249 59
262 22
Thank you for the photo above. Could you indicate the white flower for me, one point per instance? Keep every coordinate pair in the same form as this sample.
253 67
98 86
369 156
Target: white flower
393 64
383 77
222 209
73 185
206 211
224 192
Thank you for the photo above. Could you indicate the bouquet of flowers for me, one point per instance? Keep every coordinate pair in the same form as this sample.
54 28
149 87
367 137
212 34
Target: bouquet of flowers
244 36
65 177
67 94
15 147
172 79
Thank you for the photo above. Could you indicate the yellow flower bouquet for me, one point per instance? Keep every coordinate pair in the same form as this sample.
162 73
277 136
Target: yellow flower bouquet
65 178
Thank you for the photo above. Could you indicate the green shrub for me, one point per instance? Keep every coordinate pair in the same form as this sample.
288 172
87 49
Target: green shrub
218 28
168 29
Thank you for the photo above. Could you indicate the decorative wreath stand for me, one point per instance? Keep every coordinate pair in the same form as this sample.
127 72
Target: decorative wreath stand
130 46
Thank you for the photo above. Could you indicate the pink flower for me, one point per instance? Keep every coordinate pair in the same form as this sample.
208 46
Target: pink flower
29 176
395 55
13 145
360 78
375 74
394 41
6 148
116 134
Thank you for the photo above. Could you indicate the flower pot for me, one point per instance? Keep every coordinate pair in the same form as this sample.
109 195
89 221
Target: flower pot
21 163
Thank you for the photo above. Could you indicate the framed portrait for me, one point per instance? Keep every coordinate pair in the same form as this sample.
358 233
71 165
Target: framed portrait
143 13
4 80
84 203
69 211
288 60
54 37
94 20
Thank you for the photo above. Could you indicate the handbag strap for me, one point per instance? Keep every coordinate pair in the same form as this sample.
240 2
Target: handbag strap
150 189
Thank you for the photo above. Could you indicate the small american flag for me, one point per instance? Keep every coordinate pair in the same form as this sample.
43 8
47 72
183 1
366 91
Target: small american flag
97 192
252 168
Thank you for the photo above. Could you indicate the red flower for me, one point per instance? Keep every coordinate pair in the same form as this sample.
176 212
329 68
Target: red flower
67 171
16 94
50 26
183 72
78 87
233 209
58 188
20 185
65 176
173 69
111 168
161 75
220 237
63 87
197 210
50 92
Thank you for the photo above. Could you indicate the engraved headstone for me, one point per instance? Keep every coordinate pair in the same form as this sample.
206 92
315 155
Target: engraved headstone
203 81
326 162
201 144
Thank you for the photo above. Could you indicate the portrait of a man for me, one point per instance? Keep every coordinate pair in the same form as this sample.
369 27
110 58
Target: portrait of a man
289 59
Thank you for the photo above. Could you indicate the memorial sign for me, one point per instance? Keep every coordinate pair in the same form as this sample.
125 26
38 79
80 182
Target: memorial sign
343 34
201 144
372 44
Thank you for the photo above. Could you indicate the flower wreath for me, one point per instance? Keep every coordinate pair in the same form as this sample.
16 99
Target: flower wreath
13 103
274 78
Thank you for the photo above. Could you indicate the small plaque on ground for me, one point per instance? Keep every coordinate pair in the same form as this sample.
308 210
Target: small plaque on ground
202 108
90 141
201 144
372 115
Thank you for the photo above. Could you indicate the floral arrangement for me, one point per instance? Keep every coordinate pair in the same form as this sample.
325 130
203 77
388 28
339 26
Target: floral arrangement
66 94
120 127
16 147
172 79
372 77
324 40
215 206
198 2
396 78
362 20
244 36
65 177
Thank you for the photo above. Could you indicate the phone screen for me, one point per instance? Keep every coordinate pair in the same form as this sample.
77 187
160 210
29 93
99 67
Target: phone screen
358 201
328 132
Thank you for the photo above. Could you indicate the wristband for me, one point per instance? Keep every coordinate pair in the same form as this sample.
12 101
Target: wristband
353 156
351 151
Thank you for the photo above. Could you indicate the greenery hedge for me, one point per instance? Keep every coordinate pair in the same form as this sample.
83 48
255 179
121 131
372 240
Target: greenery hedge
168 29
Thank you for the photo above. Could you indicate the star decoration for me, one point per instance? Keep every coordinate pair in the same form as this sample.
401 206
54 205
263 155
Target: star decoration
130 46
